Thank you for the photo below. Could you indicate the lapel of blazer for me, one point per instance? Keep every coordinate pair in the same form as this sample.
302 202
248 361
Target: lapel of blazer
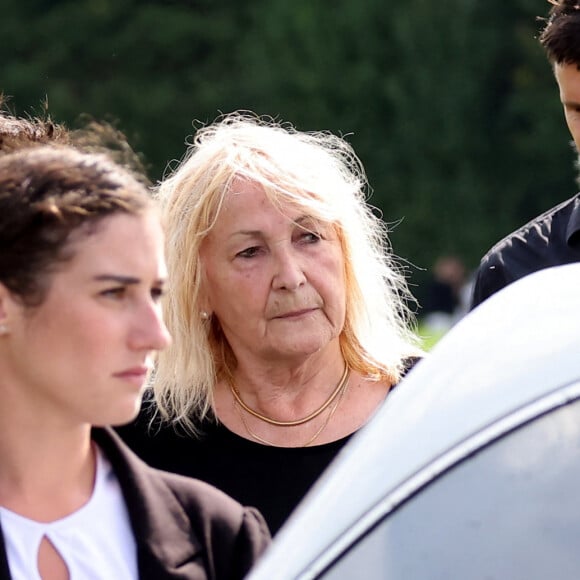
165 540
4 571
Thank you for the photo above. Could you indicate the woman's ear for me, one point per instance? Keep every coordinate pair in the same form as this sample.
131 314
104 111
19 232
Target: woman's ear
5 301
4 295
205 309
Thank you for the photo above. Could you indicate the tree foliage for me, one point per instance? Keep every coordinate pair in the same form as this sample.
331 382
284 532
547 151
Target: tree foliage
451 105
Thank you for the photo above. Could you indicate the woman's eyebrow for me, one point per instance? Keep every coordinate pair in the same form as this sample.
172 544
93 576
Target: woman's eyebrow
306 218
117 278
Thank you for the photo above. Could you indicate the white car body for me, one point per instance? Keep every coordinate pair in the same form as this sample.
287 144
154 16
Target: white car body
512 359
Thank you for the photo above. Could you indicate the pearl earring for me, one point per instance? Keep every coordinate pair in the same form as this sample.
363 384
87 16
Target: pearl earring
204 315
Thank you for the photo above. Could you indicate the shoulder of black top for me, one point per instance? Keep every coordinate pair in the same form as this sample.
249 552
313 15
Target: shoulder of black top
409 363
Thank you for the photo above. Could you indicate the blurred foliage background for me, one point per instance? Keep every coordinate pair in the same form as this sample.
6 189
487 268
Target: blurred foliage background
451 105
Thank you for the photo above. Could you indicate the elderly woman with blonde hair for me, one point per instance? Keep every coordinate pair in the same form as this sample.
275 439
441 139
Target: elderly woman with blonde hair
288 311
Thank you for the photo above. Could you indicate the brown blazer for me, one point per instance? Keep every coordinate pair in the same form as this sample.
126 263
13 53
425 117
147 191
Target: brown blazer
184 528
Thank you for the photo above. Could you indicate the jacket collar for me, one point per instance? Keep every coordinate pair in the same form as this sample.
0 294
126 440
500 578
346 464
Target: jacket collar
573 227
166 543
4 571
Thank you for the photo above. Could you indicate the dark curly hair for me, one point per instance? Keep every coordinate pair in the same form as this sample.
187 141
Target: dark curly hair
90 136
560 36
47 194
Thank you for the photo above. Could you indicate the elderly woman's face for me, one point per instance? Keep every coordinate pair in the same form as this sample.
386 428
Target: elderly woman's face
275 280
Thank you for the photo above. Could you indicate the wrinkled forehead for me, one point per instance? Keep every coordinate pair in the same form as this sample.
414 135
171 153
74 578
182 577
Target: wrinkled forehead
289 199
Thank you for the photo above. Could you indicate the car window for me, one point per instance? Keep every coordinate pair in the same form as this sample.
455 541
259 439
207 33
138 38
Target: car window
510 511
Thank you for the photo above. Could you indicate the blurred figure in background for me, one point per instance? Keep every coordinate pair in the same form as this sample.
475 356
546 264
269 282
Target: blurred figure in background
445 297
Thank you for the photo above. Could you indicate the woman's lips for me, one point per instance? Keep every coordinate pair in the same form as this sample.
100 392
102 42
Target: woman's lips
296 313
135 375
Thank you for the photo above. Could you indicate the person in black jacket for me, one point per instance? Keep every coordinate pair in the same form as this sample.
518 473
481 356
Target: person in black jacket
552 238
82 272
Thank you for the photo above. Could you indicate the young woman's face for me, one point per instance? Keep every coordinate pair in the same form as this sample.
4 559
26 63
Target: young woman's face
83 355
274 279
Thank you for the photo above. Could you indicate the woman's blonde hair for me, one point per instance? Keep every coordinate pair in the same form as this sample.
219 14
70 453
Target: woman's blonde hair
316 172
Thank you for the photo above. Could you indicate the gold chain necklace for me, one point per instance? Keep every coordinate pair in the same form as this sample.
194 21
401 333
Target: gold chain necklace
255 436
325 405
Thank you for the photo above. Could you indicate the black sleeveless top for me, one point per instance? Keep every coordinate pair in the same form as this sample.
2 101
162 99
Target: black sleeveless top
272 479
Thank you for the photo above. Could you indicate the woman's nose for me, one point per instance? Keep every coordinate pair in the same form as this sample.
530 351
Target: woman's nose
289 270
150 332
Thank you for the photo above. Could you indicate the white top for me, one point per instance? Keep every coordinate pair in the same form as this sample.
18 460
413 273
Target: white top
96 542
